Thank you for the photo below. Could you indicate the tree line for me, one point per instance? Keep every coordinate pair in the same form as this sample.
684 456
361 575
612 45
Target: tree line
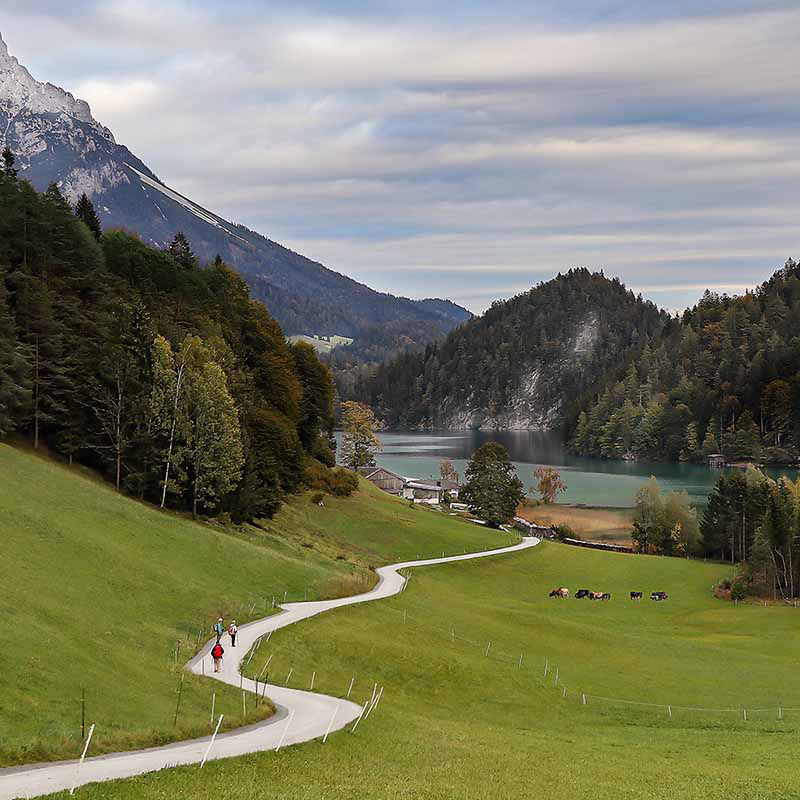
136 361
573 331
725 380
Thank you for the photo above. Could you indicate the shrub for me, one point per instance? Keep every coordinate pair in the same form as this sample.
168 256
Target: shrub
738 589
317 498
338 481
563 531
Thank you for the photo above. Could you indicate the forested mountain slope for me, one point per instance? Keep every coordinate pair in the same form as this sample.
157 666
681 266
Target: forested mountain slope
167 377
525 364
726 379
56 139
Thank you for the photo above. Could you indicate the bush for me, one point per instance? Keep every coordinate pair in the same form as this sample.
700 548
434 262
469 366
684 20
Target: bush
563 531
738 589
317 498
338 481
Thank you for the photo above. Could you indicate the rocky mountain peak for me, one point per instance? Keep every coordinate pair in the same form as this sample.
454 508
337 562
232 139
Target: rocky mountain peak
21 94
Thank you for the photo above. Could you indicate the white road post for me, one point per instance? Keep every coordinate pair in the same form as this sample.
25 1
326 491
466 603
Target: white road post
452 635
489 644
583 699
556 681
285 730
244 704
564 693
520 661
213 704
744 714
264 668
353 729
350 687
210 744
545 668
313 675
330 725
780 713
291 670
80 763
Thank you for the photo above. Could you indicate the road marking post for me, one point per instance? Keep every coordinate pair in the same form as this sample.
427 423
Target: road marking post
213 703
744 714
210 744
545 668
350 687
313 675
264 668
285 730
564 693
519 666
244 704
669 710
83 756
330 725
556 681
583 699
487 648
291 670
353 729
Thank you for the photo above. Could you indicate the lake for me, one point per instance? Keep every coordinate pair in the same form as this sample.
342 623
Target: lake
590 481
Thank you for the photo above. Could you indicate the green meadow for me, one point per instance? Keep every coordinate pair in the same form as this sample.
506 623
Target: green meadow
456 722
109 596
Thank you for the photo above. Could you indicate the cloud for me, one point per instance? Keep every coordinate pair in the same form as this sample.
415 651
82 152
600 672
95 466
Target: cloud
459 151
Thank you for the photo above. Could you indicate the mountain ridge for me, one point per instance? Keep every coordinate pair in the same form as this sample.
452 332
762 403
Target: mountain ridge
56 139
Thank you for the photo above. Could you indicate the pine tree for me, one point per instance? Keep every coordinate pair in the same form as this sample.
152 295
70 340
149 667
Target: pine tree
84 211
8 164
14 367
180 249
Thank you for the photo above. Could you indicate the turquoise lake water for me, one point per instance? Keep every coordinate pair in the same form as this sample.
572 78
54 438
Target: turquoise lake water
589 481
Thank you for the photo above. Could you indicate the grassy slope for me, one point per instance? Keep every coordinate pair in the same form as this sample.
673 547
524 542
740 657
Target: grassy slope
455 723
98 589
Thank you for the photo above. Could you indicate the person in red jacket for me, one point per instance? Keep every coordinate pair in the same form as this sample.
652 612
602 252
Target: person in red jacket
217 653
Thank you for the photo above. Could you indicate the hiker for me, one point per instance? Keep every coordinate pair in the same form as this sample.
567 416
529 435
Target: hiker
219 629
232 630
217 653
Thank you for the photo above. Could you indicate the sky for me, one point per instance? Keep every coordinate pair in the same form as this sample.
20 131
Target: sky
465 150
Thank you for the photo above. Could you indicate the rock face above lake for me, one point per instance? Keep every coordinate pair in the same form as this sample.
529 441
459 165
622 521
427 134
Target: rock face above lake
525 365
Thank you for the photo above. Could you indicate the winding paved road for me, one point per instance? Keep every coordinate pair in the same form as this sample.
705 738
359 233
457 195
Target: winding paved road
311 713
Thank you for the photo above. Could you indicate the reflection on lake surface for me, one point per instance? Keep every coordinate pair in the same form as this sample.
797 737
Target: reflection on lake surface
589 480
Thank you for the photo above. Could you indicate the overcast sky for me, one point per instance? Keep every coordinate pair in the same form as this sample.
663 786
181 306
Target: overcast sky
465 150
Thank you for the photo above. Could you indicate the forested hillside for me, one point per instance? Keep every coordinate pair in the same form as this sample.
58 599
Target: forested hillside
165 376
727 379
525 364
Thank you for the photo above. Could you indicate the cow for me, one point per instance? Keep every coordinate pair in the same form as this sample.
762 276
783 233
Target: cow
658 596
581 593
606 596
636 595
596 595
562 592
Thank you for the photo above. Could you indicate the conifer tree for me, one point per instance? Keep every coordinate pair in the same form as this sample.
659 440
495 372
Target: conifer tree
8 164
14 367
84 211
180 249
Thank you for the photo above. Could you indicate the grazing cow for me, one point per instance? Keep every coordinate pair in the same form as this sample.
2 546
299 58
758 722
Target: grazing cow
636 595
658 596
595 595
562 592
581 593
606 596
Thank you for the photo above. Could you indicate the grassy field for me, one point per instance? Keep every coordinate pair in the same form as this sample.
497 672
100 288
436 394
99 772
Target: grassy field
595 524
457 723
99 592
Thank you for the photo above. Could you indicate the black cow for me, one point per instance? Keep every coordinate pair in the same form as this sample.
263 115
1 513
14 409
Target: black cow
636 595
606 596
581 593
658 596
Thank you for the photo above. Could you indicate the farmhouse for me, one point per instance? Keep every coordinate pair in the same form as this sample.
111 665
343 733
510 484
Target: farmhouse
418 490
716 460
385 479
429 491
